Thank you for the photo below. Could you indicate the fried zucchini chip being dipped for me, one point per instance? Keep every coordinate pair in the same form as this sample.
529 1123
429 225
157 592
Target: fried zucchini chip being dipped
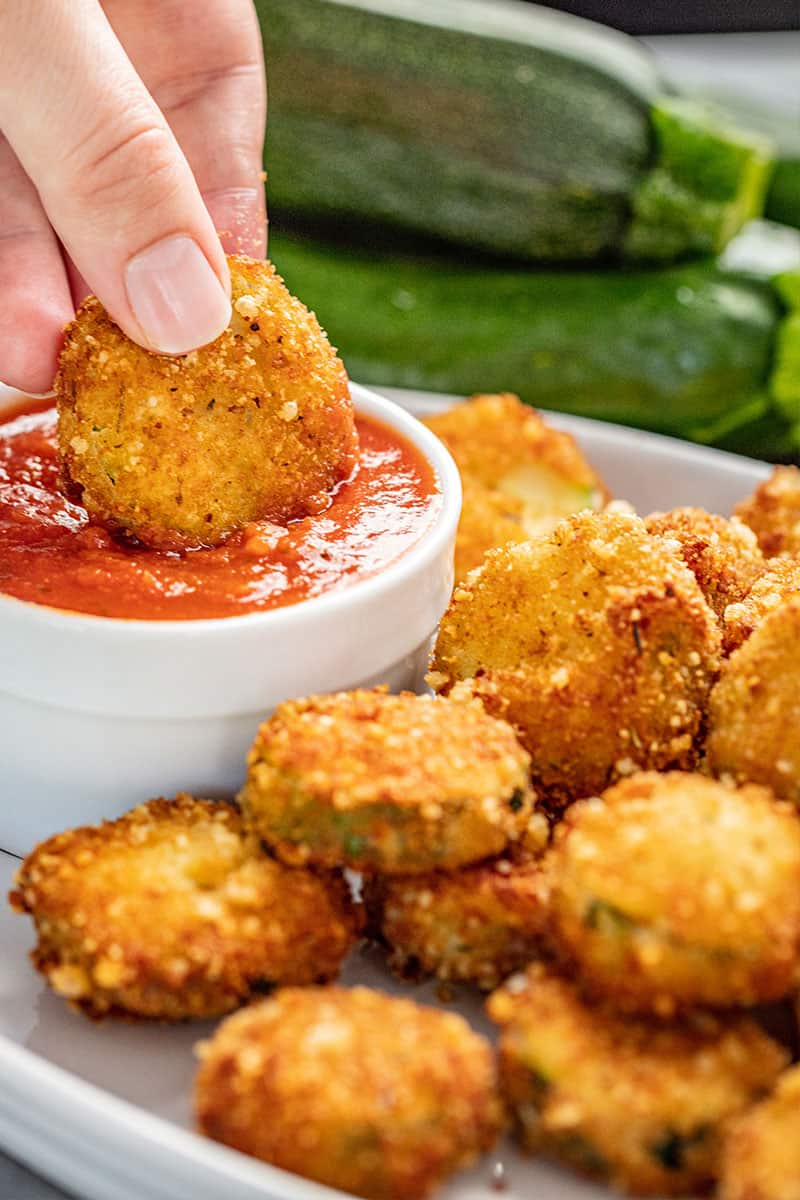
398 784
780 581
476 925
723 556
180 452
674 891
754 725
358 1090
773 512
761 1153
596 643
520 475
639 1103
172 912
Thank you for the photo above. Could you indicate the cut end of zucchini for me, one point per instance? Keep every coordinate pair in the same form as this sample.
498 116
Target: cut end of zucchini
785 377
707 179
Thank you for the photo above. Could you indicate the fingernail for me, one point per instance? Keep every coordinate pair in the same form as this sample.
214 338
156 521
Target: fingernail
177 300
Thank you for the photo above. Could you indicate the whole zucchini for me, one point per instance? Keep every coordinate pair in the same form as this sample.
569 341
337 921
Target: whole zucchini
495 124
698 350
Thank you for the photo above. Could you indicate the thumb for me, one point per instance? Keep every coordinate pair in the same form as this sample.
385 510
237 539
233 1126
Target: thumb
112 179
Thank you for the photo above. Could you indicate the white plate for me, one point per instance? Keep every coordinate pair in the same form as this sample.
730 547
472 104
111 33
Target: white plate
105 1110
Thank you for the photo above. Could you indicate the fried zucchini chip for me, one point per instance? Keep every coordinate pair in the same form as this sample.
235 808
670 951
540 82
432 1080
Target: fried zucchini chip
476 925
182 451
504 445
780 580
488 519
773 512
639 1103
596 644
172 912
754 726
723 556
359 1090
399 784
674 891
761 1153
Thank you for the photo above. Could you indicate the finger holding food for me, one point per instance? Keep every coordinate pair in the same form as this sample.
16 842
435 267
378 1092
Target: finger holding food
181 452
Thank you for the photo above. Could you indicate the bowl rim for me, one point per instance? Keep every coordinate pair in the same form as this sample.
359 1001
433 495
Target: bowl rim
285 619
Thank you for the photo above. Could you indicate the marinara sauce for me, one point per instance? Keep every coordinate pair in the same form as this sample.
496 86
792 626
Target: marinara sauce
52 553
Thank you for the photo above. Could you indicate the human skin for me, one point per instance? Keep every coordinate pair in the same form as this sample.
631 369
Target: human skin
131 136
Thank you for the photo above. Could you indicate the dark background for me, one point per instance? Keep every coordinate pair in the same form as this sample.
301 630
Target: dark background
687 16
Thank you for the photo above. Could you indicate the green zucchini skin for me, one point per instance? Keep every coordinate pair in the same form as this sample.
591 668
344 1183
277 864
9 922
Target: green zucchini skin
685 350
525 145
783 198
496 125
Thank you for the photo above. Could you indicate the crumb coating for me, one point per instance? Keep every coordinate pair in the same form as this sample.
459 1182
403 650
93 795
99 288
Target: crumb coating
596 643
674 891
723 556
761 1154
399 784
475 925
359 1090
773 512
754 726
182 451
638 1103
170 912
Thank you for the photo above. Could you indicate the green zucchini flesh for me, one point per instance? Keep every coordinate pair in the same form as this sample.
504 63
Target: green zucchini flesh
493 124
687 350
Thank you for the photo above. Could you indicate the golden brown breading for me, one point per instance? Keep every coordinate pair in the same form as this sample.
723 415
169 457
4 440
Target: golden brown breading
780 580
399 784
723 556
595 642
488 519
171 912
761 1152
475 925
358 1090
181 451
773 512
754 726
674 891
520 475
639 1103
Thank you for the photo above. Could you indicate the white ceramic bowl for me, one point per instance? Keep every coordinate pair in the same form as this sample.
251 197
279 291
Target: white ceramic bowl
98 714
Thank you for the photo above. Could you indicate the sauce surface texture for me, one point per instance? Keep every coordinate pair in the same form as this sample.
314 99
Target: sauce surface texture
52 554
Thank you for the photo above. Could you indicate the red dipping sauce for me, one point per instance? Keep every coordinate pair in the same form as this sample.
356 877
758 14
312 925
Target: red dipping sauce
52 553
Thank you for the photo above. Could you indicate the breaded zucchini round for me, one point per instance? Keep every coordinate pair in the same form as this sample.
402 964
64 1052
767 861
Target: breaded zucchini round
639 1103
723 556
754 726
780 580
398 784
475 925
172 912
358 1090
503 445
773 512
674 891
761 1152
488 519
182 451
597 645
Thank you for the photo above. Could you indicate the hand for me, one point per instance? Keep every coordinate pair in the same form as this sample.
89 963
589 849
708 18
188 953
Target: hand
132 131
